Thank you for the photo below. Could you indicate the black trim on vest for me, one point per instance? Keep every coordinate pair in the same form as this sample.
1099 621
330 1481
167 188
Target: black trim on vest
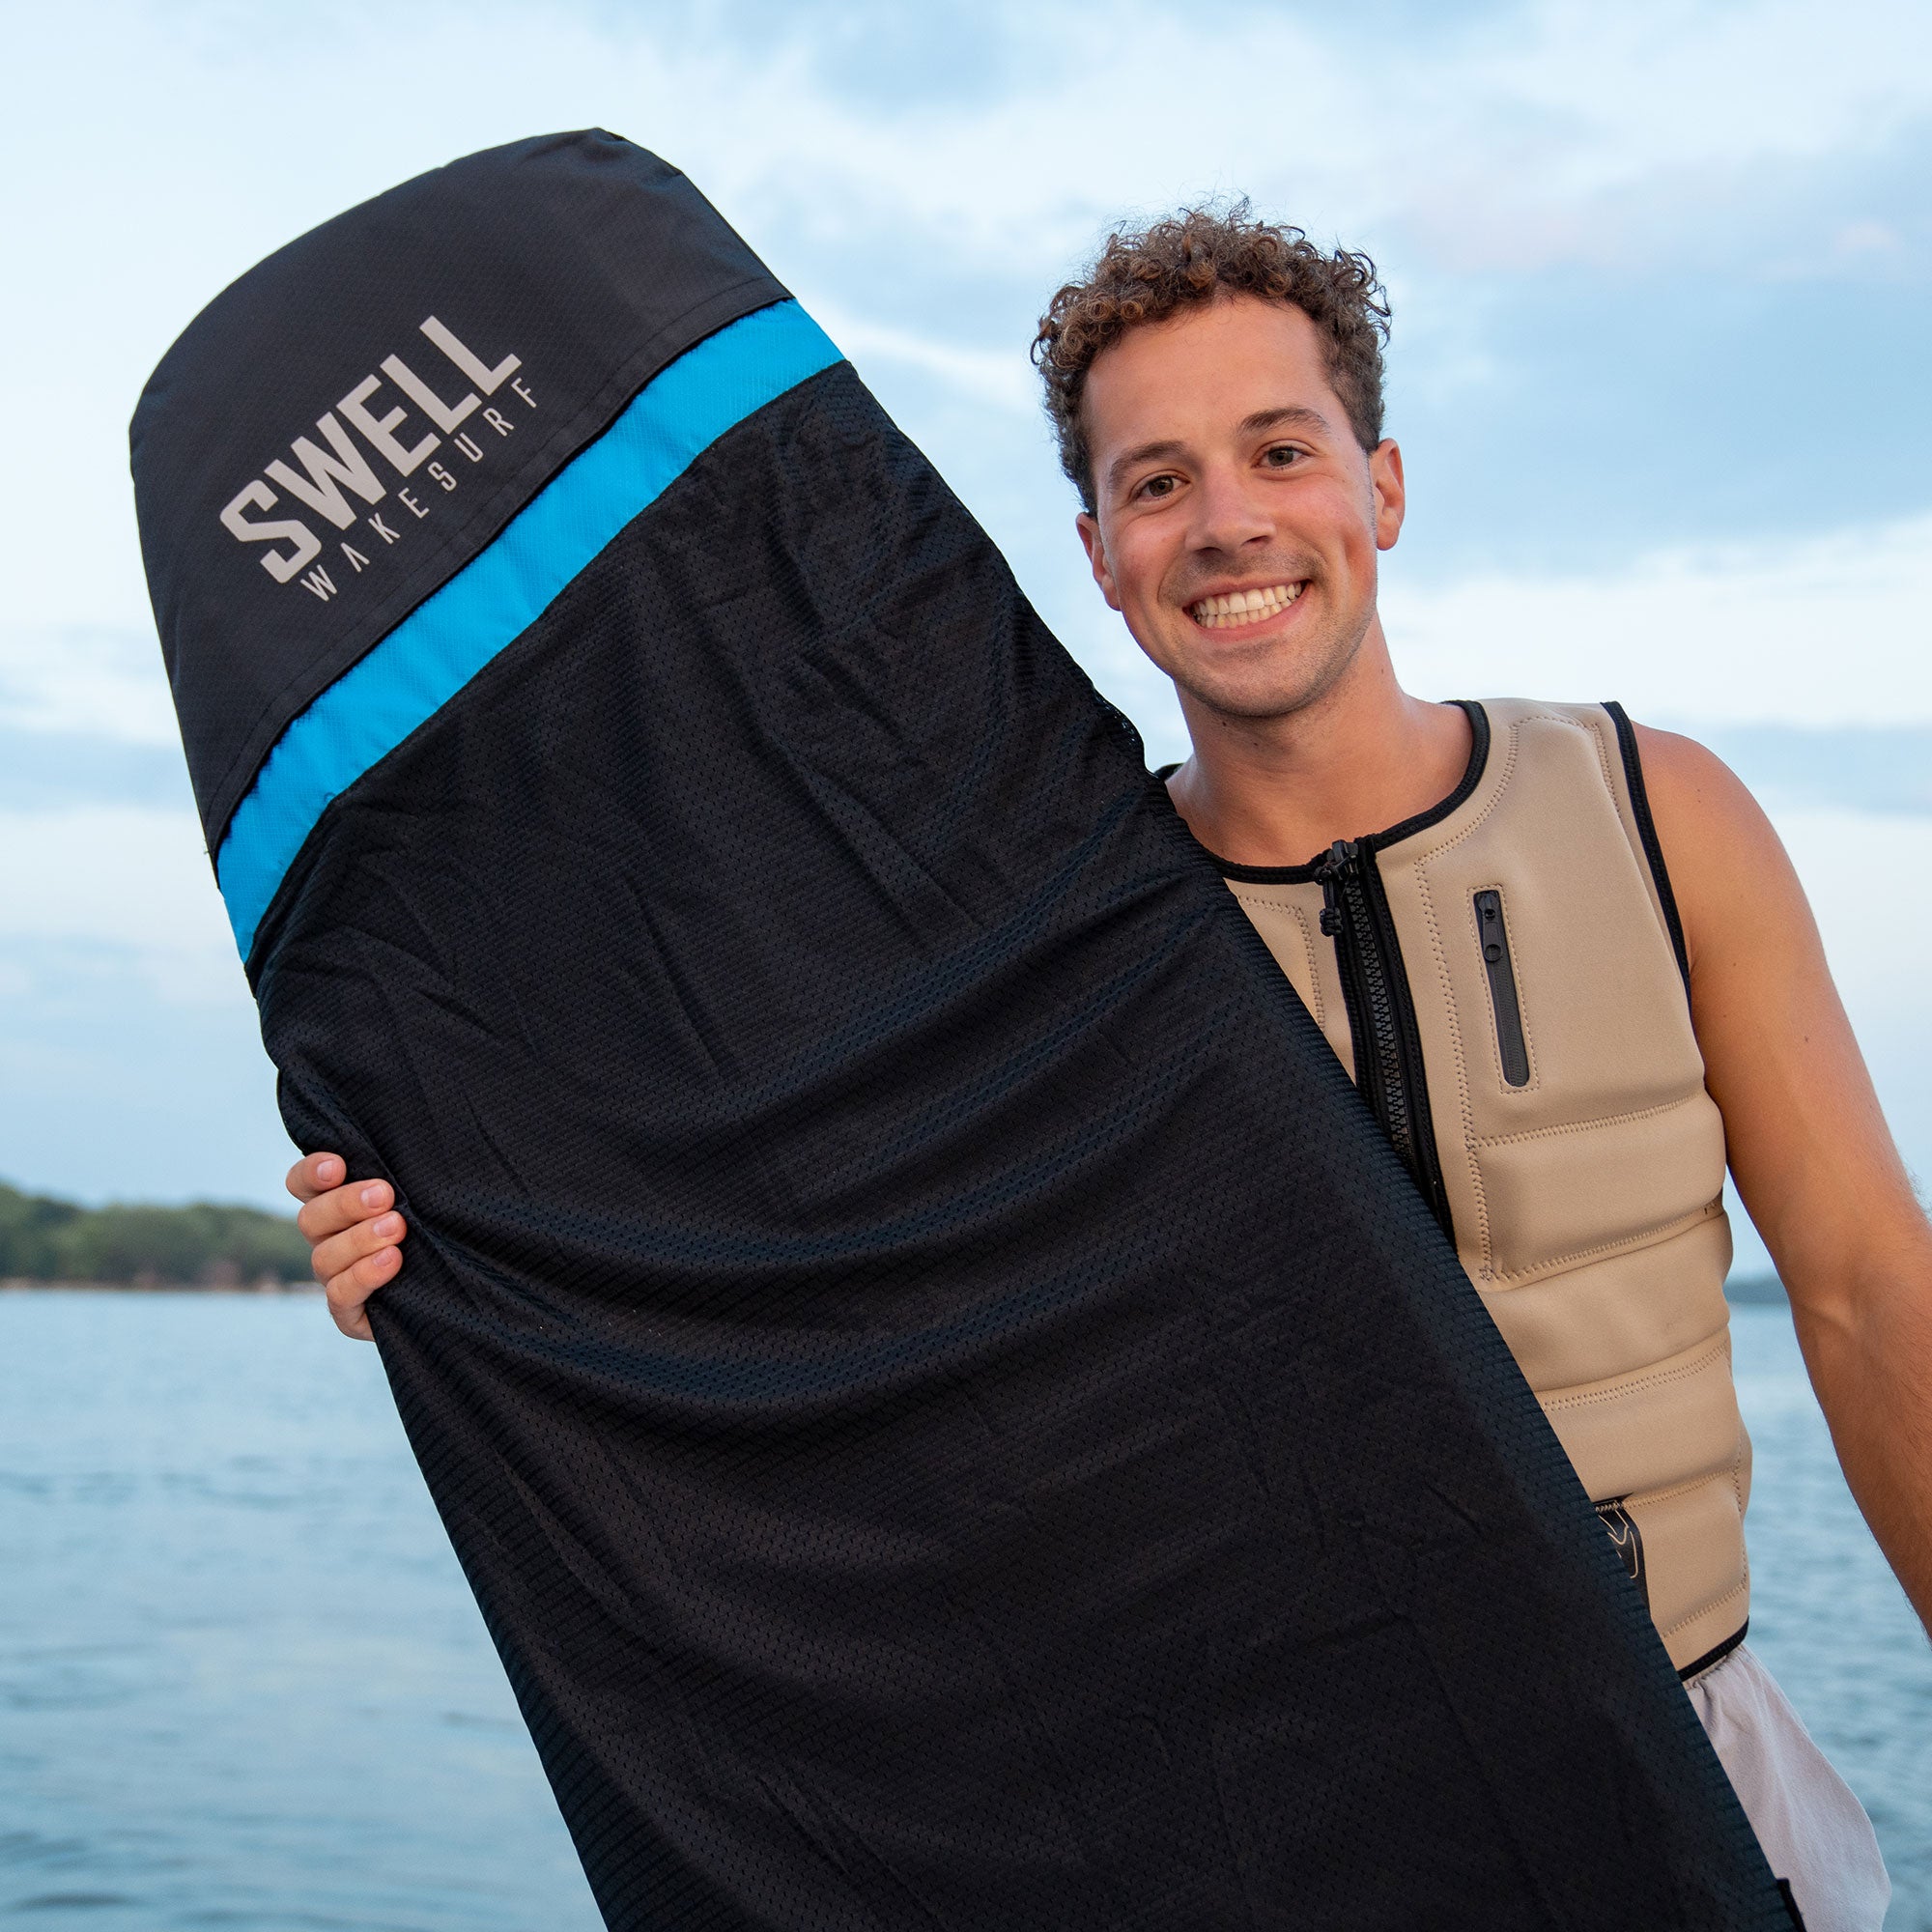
1717 1654
1646 830
1389 1072
1790 1903
1372 842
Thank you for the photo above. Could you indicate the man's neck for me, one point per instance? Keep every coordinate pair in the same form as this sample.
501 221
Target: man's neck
1363 756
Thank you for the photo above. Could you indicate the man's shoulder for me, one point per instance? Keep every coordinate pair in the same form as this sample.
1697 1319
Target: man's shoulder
1689 782
1726 864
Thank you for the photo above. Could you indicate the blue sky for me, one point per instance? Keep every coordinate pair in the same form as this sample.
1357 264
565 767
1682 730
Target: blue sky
1660 281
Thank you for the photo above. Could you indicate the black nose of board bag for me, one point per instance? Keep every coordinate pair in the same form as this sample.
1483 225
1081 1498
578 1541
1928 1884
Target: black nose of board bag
952 1414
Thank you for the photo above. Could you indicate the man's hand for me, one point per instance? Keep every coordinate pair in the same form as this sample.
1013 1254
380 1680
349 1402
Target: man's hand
354 1239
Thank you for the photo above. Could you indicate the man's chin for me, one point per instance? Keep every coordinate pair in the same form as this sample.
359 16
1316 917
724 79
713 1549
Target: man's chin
1268 684
1252 700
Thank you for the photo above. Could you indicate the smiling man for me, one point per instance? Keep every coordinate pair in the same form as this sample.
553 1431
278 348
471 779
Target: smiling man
1564 957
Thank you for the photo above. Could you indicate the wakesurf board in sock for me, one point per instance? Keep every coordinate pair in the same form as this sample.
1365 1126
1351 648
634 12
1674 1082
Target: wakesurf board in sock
952 1413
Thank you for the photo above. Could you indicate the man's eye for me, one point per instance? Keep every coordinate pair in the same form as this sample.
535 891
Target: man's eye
1283 456
1157 486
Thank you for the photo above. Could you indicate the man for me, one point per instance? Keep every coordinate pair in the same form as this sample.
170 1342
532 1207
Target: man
1565 957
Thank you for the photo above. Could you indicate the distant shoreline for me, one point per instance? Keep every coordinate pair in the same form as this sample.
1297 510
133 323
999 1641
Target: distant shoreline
47 1242
23 1284
1751 1291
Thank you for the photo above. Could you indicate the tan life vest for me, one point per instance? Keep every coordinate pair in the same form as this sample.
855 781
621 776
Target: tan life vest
1504 978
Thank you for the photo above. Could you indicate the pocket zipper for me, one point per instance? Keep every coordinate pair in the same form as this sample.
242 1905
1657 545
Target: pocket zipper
1493 938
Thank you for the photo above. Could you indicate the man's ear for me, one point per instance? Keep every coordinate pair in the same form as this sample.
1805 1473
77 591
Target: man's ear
1391 495
1089 527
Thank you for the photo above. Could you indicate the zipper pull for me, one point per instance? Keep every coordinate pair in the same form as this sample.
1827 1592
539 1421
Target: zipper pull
1488 907
1334 868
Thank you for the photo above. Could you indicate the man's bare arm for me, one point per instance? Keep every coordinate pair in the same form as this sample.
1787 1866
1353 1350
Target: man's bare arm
1809 1146
354 1241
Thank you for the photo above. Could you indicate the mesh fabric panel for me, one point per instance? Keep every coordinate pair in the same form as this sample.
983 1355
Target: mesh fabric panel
952 1414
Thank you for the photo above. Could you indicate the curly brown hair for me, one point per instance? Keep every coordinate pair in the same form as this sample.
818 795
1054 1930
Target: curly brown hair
1146 274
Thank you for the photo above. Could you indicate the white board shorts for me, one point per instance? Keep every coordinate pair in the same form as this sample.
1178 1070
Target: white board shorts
1813 1830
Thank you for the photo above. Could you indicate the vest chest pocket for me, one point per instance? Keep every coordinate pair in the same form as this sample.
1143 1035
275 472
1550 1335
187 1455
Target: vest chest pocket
1492 936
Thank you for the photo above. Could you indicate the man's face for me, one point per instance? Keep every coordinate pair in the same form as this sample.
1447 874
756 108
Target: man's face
1237 517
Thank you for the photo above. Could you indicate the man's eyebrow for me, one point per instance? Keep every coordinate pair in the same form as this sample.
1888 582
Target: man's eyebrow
1145 452
1291 415
1295 415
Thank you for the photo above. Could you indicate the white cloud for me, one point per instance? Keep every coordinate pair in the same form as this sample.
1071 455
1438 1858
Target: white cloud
1520 136
1834 630
129 880
923 218
89 680
1551 103
1659 84
1506 136
998 377
1867 238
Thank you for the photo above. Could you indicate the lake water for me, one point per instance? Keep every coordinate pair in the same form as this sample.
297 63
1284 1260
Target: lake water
242 1683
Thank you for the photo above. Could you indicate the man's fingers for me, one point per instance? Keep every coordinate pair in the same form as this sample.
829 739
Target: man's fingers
343 1207
315 1174
350 1290
340 1254
351 1236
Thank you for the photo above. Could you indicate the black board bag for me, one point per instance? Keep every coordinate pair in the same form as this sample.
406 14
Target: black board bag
952 1416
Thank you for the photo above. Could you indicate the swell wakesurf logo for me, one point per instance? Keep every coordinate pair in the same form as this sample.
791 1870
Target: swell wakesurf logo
326 475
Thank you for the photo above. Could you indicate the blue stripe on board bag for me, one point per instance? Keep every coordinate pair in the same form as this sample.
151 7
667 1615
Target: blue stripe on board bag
495 598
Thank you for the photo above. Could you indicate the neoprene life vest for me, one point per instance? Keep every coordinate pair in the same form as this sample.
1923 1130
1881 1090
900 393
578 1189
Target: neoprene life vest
1505 977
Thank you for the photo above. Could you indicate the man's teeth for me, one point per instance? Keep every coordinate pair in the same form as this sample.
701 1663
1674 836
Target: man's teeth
1243 607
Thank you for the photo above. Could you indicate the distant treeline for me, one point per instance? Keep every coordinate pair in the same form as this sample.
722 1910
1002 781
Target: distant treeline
201 1245
207 1246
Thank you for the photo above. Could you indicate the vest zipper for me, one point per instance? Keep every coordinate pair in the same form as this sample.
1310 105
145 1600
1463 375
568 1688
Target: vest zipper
1381 1017
1494 937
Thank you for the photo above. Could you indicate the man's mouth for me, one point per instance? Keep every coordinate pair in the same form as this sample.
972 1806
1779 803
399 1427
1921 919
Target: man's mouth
1235 608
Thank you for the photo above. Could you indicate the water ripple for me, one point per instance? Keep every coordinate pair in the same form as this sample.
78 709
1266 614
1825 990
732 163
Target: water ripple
271 1705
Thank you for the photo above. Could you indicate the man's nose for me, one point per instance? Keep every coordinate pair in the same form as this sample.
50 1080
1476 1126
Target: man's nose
1229 513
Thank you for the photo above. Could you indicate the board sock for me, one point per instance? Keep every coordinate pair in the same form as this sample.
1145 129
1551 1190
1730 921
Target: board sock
952 1414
